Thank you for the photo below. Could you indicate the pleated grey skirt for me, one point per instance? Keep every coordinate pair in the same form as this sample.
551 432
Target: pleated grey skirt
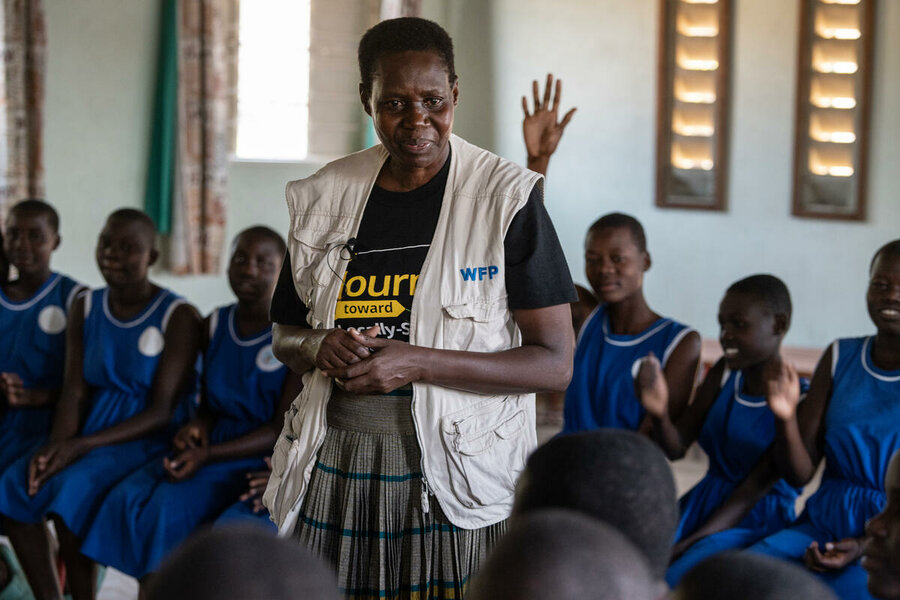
364 513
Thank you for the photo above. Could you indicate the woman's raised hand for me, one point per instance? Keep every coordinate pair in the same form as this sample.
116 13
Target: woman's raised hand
541 128
651 386
782 390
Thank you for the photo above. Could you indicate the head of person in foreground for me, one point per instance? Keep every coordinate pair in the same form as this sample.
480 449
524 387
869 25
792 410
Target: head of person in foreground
737 575
241 563
617 476
564 555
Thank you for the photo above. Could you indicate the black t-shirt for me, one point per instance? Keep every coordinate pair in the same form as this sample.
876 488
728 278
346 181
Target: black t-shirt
393 239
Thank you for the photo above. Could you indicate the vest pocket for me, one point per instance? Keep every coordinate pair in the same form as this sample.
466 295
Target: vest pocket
479 325
484 452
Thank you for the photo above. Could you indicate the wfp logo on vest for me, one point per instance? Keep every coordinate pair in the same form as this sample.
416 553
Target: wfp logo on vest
479 273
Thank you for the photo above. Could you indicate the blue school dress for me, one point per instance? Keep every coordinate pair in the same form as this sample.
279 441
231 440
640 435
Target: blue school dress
241 513
601 393
145 516
737 431
33 345
862 432
120 360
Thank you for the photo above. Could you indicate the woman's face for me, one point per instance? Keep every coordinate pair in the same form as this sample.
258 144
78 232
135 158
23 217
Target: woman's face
883 295
254 267
748 331
125 252
412 102
614 264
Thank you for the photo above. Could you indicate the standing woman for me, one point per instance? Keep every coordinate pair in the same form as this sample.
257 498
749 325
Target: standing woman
425 301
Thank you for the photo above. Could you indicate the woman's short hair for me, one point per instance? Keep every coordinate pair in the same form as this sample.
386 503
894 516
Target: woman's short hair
406 34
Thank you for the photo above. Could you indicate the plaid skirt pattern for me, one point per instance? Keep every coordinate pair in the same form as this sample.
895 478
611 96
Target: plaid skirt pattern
364 514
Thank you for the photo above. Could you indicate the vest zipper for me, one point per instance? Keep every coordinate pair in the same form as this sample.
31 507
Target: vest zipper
426 490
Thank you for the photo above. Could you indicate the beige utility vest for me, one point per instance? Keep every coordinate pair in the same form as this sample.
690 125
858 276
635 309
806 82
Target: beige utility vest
473 445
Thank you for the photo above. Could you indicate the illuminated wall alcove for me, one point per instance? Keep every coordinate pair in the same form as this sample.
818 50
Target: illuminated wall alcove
833 90
692 103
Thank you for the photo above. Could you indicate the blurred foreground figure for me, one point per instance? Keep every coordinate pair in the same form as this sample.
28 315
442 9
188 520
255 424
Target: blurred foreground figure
614 475
881 552
563 555
741 575
242 563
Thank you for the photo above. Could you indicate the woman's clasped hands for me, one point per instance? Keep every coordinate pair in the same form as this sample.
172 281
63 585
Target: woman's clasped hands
362 363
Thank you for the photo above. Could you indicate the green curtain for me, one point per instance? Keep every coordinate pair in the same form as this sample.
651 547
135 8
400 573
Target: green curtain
161 170
369 138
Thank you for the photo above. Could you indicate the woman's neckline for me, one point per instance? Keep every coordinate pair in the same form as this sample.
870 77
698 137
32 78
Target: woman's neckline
438 180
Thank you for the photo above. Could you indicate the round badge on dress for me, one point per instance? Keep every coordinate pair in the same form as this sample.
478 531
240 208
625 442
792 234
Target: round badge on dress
266 361
635 367
151 342
52 320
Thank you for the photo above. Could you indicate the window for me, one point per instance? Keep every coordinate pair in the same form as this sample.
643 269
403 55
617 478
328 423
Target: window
273 80
298 77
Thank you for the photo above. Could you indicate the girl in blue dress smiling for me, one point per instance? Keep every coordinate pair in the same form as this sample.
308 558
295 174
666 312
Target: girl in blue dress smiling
851 418
741 499
130 354
245 394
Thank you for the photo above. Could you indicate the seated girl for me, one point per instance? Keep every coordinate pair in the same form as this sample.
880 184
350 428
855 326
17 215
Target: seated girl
850 418
623 329
130 354
34 312
620 332
245 394
741 499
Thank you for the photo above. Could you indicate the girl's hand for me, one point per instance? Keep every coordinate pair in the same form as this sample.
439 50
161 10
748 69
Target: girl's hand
341 348
51 459
193 435
836 555
12 387
257 482
392 365
651 386
680 548
541 129
782 390
186 464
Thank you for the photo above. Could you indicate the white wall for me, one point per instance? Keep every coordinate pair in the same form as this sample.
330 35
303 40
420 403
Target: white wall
605 51
101 65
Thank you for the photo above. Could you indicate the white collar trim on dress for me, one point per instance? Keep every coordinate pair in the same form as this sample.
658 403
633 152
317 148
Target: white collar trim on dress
52 283
161 295
864 355
234 336
648 334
